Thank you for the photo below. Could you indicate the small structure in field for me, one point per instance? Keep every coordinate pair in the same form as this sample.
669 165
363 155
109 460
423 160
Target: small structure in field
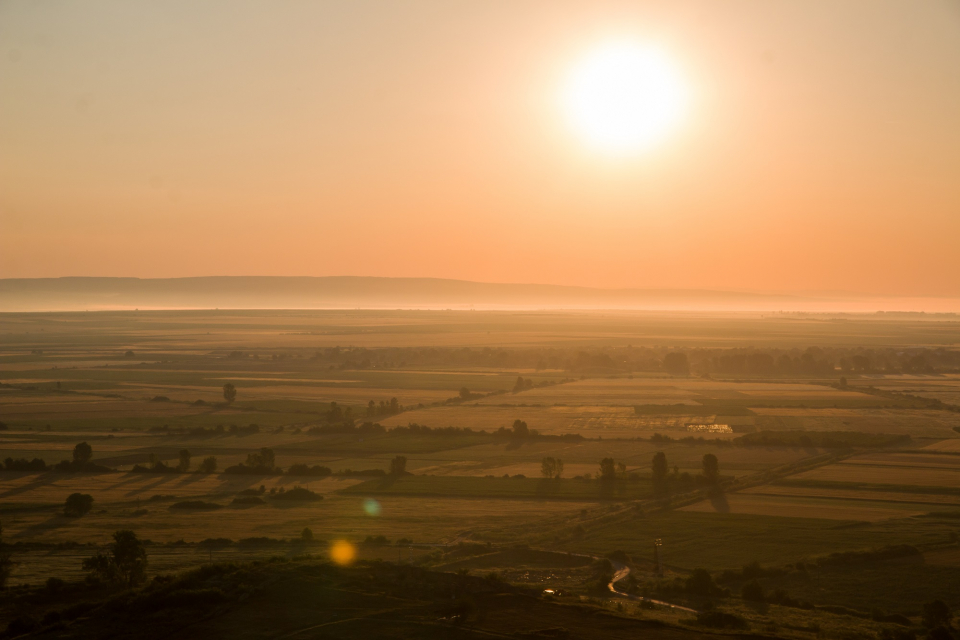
709 428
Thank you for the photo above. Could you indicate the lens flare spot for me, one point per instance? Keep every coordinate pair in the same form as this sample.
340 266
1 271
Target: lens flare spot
371 507
342 552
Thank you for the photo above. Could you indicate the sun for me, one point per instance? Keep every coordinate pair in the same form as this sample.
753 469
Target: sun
623 98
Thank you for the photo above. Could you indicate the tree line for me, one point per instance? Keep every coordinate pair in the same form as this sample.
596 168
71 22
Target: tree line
810 360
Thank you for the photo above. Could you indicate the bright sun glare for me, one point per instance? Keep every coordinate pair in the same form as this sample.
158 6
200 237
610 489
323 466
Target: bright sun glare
623 98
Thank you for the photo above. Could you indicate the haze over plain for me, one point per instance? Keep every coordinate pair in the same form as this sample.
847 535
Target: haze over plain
819 148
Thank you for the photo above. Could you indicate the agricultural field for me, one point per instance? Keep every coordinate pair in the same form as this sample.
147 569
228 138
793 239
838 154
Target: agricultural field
473 404
943 387
917 470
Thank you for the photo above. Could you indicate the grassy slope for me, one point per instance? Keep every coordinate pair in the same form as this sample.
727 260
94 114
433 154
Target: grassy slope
309 599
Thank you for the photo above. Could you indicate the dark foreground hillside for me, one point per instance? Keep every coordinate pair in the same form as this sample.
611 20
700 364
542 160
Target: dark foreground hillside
312 599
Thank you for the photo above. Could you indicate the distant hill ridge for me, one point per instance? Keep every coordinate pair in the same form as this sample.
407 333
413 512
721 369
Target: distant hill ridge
367 292
331 292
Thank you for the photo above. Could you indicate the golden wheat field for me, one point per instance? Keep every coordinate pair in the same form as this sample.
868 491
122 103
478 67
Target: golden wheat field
894 469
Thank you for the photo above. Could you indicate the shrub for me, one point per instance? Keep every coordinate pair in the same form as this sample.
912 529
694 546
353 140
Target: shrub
179 598
55 584
753 592
82 453
398 466
126 562
940 633
305 470
872 555
22 625
196 505
299 494
700 583
23 464
215 543
936 614
209 465
78 504
721 620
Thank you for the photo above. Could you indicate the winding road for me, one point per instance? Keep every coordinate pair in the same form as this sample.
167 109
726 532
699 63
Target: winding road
620 572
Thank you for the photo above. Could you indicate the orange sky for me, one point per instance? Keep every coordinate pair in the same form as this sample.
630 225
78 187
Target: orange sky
820 150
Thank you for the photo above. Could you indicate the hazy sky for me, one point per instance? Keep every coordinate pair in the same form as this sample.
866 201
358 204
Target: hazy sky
819 149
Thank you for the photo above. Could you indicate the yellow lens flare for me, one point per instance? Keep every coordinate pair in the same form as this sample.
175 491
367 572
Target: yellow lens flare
342 552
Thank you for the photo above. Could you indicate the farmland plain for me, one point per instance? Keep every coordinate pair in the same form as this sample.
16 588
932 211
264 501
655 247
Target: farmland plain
347 393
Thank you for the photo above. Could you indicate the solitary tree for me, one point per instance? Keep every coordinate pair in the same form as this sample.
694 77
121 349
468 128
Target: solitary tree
229 392
77 504
608 469
660 471
548 467
82 453
335 413
520 429
306 535
464 393
125 563
398 466
551 467
711 468
209 465
184 464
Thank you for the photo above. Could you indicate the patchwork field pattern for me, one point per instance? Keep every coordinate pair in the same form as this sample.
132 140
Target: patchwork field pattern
68 378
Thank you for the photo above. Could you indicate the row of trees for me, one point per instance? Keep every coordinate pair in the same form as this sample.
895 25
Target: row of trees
384 408
611 470
83 453
207 465
812 360
661 477
81 461
752 361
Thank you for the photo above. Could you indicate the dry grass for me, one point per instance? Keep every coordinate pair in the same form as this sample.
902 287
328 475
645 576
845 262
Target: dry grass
932 500
943 387
423 519
912 422
902 469
950 445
